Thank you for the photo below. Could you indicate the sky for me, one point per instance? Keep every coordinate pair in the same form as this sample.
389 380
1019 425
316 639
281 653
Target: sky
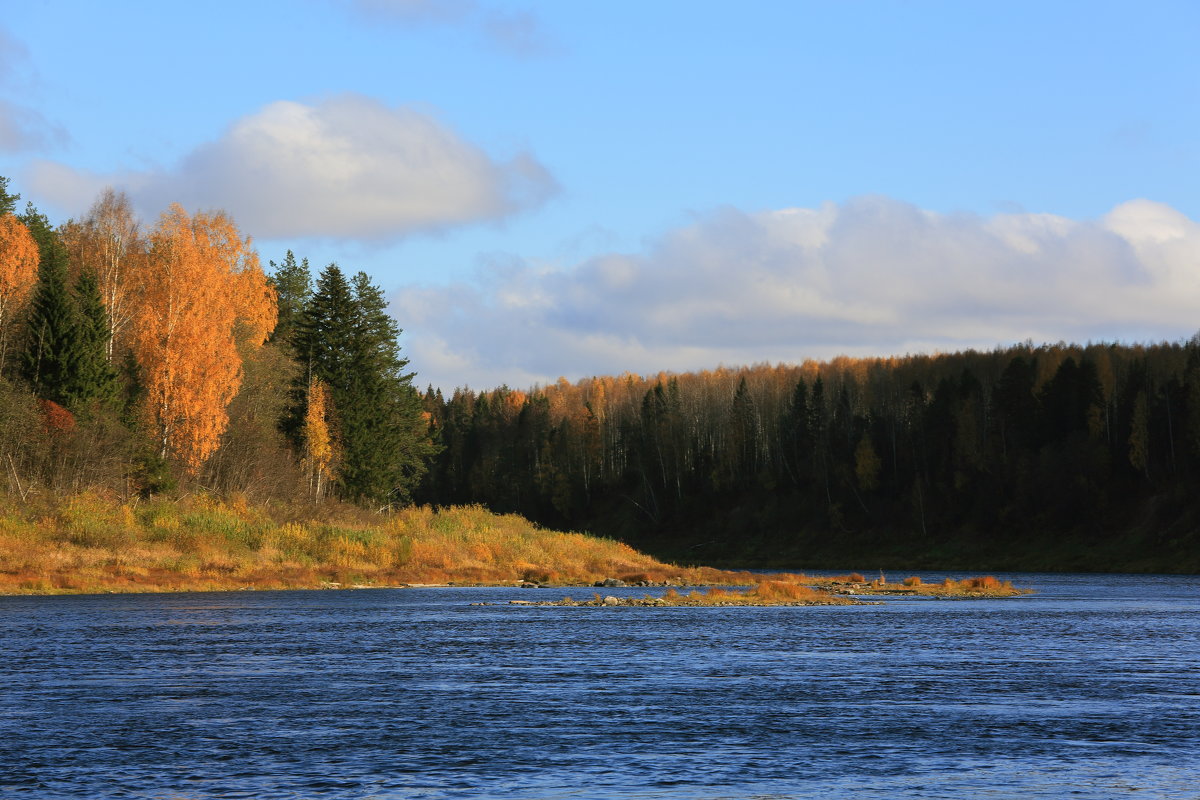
581 188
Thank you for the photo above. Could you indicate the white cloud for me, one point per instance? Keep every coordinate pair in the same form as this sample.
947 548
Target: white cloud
348 167
874 276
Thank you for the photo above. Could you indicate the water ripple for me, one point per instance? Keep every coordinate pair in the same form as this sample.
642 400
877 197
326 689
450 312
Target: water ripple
1089 689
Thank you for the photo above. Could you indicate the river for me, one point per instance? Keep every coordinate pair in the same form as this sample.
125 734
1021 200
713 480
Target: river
1089 688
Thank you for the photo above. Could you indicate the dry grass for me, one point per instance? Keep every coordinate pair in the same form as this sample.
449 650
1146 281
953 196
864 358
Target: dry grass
767 593
985 586
95 543
856 584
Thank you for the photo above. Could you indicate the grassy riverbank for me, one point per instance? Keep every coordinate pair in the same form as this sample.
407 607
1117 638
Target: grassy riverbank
94 543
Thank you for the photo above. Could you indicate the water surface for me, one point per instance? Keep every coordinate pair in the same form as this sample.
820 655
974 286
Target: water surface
1088 689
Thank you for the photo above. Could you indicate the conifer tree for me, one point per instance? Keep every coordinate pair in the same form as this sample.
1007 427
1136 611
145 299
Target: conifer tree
8 202
51 361
293 285
346 339
97 376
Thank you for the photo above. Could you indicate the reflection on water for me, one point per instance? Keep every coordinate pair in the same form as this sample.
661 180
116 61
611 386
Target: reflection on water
1089 689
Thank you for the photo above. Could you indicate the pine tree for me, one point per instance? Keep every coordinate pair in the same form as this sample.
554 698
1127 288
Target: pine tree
97 376
293 284
8 202
395 445
346 339
323 335
51 361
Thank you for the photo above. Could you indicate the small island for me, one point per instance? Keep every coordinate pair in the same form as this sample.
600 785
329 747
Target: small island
801 590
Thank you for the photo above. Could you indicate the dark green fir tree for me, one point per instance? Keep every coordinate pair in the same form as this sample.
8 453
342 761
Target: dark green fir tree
98 378
66 334
293 285
346 338
51 359
8 202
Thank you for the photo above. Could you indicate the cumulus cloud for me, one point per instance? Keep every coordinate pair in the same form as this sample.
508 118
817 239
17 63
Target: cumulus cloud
348 167
873 276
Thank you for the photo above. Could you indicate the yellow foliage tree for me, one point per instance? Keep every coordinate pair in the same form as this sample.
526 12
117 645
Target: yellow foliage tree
200 290
319 450
18 273
108 242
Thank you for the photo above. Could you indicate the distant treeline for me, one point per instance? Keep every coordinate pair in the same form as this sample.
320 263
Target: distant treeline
1058 456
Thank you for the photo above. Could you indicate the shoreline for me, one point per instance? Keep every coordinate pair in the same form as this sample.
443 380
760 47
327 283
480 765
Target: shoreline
779 589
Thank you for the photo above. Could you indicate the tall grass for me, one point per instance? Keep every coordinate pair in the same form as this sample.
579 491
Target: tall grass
94 543
766 593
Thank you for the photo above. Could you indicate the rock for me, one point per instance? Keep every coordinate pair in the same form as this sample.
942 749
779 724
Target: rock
528 585
611 601
612 583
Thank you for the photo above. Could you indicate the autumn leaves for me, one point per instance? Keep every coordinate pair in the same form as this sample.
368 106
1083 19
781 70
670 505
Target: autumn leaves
18 273
201 287
180 302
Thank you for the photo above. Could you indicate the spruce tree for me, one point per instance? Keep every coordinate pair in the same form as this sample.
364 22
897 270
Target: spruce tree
67 333
97 377
8 202
346 339
293 286
51 360
386 423
324 332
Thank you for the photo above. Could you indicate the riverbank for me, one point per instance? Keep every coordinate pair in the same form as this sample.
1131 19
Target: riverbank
93 543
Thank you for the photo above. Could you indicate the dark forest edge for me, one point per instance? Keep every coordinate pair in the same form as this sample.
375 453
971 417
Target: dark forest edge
293 392
1042 458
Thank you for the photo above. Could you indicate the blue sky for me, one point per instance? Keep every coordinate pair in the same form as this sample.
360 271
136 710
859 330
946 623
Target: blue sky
578 188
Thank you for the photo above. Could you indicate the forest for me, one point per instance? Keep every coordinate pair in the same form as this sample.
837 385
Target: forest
1028 457
148 361
161 360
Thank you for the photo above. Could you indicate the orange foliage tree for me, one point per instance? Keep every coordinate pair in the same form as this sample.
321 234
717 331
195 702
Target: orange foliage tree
201 290
18 273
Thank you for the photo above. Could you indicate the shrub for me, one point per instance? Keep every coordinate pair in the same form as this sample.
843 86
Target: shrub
985 583
778 590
